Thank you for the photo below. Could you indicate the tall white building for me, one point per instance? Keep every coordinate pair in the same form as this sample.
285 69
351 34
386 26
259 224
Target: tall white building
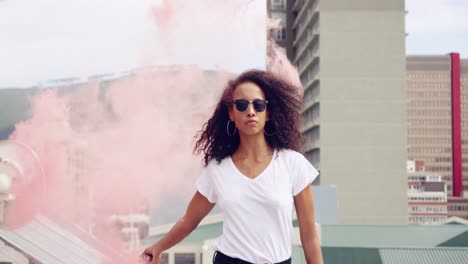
350 55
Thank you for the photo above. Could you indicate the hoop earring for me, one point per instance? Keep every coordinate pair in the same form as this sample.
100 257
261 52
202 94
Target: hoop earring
227 128
269 134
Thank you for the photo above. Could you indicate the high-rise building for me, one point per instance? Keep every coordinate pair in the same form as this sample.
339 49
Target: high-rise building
437 110
350 55
434 116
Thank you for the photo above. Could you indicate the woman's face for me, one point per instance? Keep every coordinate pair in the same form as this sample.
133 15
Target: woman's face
249 122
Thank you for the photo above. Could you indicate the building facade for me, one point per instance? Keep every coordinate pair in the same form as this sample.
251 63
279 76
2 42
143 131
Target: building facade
427 196
458 207
350 56
437 110
277 10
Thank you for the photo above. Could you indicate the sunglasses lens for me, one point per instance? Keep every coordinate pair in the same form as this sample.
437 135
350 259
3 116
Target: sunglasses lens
259 106
241 105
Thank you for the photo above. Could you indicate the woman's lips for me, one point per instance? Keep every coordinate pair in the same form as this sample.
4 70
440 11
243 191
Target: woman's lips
251 123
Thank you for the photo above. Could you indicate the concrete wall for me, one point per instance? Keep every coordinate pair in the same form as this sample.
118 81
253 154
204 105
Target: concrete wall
363 109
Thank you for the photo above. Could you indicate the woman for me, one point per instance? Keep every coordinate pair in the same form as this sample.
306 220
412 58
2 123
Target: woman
254 171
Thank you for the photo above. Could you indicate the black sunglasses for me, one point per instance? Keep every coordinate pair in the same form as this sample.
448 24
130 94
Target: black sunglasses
242 104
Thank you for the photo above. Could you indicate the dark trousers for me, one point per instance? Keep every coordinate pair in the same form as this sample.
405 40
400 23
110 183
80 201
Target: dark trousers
220 258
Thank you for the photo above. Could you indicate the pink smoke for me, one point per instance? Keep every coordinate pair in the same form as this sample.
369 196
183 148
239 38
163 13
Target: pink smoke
48 134
278 62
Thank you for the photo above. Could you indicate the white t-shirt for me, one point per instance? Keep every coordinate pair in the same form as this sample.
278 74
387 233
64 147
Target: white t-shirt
257 212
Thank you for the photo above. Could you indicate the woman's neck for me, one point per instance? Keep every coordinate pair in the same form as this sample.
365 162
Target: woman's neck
253 147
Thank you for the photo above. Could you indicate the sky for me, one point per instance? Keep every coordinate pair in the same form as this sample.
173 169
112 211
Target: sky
437 27
53 39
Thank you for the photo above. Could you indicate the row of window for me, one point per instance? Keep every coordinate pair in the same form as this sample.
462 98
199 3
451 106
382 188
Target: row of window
427 209
430 122
433 85
429 150
415 187
415 103
428 75
425 178
438 168
435 122
427 199
426 219
429 141
416 178
458 207
431 159
424 157
449 185
429 94
410 76
429 131
427 85
447 178
438 103
429 112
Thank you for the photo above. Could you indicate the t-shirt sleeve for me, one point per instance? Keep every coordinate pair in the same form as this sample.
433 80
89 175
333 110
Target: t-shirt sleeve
303 173
205 185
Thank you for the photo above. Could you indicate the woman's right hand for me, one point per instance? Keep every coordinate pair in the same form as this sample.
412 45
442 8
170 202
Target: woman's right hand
151 255
198 208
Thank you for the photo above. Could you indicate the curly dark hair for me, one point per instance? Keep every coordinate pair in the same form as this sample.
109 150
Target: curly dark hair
284 106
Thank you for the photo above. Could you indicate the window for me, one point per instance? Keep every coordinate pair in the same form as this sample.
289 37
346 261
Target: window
279 34
278 4
164 258
184 258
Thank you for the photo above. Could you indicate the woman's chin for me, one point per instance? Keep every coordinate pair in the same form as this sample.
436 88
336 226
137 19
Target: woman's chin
251 132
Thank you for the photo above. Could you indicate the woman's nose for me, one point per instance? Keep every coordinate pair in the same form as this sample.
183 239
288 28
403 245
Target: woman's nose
250 110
